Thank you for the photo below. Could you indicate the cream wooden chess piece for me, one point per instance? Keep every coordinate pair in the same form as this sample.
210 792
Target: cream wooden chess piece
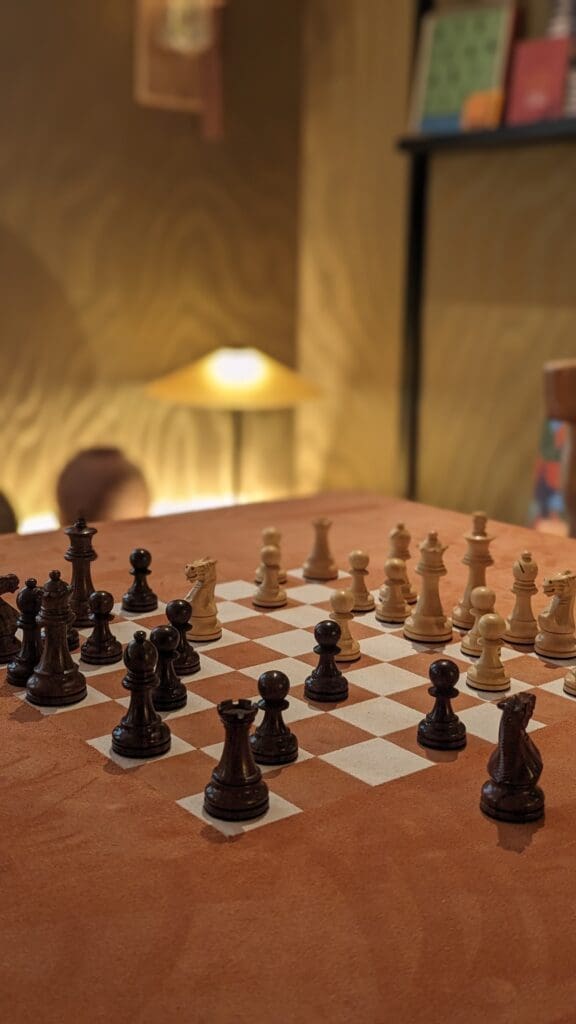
521 627
391 605
400 548
482 601
270 594
363 599
320 565
570 682
204 619
477 558
271 537
341 603
427 623
555 637
488 673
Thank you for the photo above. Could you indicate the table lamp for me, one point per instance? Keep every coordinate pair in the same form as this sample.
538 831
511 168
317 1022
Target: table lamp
234 380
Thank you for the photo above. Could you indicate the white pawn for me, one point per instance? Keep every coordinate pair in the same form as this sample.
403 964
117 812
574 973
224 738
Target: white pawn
477 558
391 605
521 627
320 565
341 602
482 601
489 673
269 594
570 682
400 548
363 599
271 537
428 623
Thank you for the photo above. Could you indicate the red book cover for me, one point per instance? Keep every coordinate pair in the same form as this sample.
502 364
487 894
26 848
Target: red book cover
538 80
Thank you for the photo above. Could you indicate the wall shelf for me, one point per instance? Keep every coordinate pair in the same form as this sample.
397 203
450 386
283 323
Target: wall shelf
563 130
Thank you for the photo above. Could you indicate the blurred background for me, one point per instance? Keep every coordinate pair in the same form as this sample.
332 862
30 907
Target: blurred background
184 176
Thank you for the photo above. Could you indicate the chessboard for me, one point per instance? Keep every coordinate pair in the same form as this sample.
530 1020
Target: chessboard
364 743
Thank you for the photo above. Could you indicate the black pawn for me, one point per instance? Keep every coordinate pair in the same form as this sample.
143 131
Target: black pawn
187 660
273 742
9 642
141 732
21 668
442 729
170 694
140 598
236 791
101 647
326 684
56 680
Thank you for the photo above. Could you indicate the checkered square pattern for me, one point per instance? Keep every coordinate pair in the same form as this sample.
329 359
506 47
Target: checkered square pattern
344 749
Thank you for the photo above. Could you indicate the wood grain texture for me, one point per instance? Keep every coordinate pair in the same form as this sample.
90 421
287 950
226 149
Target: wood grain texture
129 246
500 302
352 241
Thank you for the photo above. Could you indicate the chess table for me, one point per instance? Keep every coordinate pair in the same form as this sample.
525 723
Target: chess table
373 891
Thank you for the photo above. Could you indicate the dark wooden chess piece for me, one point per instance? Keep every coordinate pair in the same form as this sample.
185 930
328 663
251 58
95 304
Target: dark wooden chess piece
29 600
273 742
236 791
170 694
178 613
101 647
442 729
81 554
9 642
512 793
56 680
140 598
141 732
326 683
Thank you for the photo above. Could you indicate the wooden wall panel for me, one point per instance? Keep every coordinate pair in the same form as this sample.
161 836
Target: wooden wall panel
352 240
128 245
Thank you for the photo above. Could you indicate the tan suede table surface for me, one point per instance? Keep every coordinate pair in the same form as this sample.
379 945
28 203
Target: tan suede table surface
395 902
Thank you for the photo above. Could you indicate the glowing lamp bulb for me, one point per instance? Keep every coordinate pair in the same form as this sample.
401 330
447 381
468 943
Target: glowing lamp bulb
242 367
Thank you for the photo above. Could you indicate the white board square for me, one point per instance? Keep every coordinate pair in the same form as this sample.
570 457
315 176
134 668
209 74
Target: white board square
279 809
103 744
379 716
385 678
376 761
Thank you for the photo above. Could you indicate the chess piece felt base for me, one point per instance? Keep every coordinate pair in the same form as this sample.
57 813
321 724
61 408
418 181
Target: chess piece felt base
462 618
177 698
317 690
147 602
346 658
187 665
442 735
111 653
249 802
492 680
208 637
151 740
277 602
44 690
564 648
320 575
390 619
519 805
440 632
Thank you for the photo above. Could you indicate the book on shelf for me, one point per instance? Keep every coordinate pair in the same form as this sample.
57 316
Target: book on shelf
538 80
461 68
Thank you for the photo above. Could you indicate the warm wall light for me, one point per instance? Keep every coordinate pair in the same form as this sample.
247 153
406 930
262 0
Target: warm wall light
236 380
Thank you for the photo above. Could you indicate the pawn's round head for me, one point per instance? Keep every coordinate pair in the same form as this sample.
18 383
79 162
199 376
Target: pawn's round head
101 602
483 599
327 633
273 685
444 673
358 560
491 626
30 597
140 558
342 602
269 555
395 569
179 612
31 584
140 655
270 535
165 638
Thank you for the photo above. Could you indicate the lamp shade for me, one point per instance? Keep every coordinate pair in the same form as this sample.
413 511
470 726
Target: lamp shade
241 379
